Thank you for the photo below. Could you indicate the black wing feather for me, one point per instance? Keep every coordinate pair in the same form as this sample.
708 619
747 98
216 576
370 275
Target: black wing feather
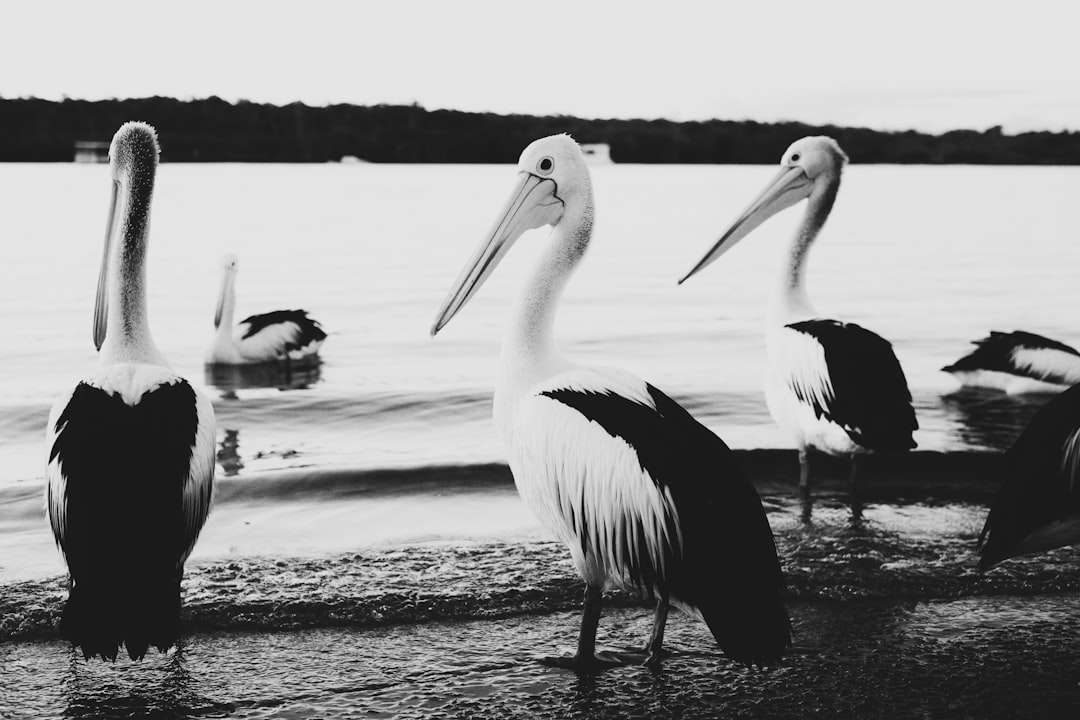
728 568
124 528
870 400
1038 489
995 352
310 329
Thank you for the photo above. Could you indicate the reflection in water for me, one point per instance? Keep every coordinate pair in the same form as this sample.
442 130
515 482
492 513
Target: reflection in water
228 455
991 419
97 690
283 376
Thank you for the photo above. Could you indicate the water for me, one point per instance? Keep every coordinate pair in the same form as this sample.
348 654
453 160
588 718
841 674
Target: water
929 257
884 595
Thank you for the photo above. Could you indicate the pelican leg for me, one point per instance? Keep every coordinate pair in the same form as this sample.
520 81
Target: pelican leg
586 658
654 651
804 470
856 501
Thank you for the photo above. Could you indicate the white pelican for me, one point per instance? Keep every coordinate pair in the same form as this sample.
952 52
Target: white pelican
1038 506
835 387
288 335
131 448
1018 362
645 497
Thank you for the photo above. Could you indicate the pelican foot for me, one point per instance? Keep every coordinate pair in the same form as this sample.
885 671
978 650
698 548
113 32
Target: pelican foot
597 662
648 658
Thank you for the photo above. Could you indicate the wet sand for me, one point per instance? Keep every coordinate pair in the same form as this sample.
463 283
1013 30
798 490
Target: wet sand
442 618
1002 657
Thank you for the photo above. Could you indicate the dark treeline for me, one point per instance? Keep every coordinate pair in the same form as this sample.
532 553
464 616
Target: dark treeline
213 130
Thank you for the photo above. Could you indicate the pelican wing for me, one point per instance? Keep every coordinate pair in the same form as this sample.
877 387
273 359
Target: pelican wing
1038 505
278 334
1024 354
662 499
850 376
129 484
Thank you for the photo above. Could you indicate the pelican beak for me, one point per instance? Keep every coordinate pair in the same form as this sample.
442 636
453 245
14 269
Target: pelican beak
101 302
788 187
220 309
534 203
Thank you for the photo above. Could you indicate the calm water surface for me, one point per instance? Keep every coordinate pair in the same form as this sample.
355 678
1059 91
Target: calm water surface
929 257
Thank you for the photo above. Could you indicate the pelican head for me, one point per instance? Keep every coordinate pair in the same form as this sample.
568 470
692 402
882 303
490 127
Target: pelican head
133 159
551 174
809 165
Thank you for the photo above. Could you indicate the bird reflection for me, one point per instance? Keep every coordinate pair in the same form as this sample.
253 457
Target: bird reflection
990 419
147 690
283 376
228 455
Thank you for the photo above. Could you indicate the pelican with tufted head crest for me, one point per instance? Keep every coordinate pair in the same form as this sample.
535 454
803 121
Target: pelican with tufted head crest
131 447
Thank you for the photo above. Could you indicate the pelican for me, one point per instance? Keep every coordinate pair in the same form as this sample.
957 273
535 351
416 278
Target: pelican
1018 362
835 387
645 497
288 335
1038 506
131 447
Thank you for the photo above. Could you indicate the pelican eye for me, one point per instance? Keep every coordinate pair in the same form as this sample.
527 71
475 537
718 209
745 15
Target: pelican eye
545 166
795 157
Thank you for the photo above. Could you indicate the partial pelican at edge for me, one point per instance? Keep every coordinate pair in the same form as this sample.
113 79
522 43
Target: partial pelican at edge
1018 362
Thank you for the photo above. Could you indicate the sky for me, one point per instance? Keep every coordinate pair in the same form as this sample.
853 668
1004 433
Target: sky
925 65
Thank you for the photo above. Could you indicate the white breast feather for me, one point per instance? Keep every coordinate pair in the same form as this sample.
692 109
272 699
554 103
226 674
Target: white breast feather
569 470
1043 361
199 486
797 361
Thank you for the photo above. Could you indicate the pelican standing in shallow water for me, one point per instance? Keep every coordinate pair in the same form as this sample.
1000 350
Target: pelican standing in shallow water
835 387
1038 506
644 496
288 335
131 448
1018 362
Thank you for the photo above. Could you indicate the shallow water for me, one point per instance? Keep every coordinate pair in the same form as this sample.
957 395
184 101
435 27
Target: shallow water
930 257
999 657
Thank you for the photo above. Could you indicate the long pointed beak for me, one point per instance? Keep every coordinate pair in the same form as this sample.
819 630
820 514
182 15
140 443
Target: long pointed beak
226 278
101 301
788 187
534 203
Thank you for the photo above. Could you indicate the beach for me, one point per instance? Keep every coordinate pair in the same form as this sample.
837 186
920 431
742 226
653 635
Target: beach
882 591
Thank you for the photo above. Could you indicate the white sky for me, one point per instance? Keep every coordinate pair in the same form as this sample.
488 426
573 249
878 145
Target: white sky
931 65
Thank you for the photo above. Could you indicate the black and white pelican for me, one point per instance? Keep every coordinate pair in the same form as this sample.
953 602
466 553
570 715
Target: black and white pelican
1018 362
288 335
131 447
835 387
1038 506
644 496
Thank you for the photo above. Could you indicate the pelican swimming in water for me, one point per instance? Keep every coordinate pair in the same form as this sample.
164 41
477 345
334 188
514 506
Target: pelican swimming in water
833 386
1018 362
288 335
131 447
1038 506
644 496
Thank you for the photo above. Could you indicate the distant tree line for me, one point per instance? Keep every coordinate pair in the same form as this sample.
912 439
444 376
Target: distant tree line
213 130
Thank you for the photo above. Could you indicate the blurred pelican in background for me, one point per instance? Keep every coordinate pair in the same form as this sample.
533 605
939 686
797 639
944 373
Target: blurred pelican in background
283 335
834 386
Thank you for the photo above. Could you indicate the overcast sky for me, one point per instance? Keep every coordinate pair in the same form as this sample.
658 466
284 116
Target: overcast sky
929 65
